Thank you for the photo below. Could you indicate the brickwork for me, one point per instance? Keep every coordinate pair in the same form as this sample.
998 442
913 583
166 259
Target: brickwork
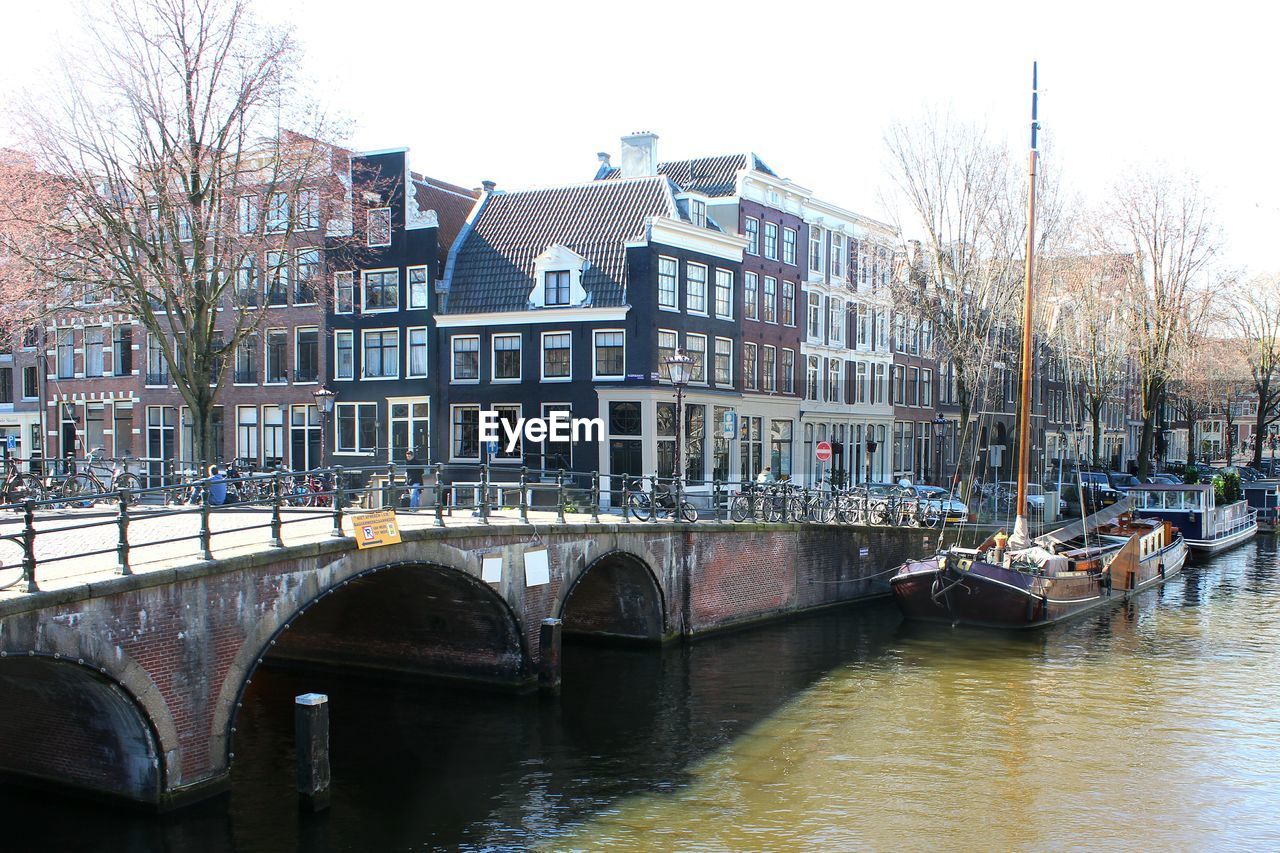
183 643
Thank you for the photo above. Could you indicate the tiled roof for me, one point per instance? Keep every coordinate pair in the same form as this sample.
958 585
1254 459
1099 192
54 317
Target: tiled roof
451 203
713 176
493 267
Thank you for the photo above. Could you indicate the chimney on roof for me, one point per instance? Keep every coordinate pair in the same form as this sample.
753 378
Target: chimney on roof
639 154
603 157
488 186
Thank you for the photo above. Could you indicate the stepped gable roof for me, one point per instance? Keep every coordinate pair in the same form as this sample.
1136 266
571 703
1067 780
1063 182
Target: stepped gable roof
712 176
494 265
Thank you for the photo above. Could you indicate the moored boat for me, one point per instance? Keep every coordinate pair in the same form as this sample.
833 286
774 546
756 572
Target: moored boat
1206 526
1264 497
1104 560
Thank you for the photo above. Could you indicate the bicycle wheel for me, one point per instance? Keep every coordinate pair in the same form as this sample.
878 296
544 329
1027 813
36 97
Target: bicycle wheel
740 508
78 487
638 506
688 512
127 481
797 510
24 487
822 510
772 508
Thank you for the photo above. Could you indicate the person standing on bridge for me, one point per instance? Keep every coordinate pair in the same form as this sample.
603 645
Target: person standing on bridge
413 479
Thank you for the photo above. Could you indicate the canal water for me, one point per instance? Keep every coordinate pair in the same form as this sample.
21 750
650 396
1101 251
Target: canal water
1154 725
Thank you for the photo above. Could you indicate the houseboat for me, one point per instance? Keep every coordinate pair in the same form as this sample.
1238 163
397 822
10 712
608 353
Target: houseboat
1207 527
1264 497
1108 558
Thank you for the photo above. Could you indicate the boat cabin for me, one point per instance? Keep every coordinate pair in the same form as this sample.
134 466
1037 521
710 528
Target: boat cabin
1194 510
1264 496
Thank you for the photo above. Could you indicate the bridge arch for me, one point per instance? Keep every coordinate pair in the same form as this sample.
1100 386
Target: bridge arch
68 723
616 596
375 618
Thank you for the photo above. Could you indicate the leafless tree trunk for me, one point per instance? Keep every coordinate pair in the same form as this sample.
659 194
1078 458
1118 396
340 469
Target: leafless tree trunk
1254 324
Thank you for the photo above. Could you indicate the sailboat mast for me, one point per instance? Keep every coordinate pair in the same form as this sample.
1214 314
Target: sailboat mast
1024 409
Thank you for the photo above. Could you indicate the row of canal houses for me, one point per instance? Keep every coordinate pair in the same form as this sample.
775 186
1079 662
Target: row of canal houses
566 298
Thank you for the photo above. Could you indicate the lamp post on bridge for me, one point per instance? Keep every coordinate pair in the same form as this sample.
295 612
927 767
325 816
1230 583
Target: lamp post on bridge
680 369
871 454
939 430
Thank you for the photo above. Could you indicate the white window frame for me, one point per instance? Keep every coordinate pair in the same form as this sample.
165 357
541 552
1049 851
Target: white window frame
317 274
266 356
790 245
297 331
675 287
751 307
359 451
769 316
493 358
452 421
542 357
597 376
706 368
815 263
368 224
715 355
363 334
364 308
338 334
690 265
777 240
408 353
791 375
453 362
716 291
752 235
426 286
675 336
350 276
771 386
750 380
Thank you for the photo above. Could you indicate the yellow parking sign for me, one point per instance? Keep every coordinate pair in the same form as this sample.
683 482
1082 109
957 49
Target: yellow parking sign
372 529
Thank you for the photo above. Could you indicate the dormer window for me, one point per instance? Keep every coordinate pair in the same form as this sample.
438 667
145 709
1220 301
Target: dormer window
557 288
698 212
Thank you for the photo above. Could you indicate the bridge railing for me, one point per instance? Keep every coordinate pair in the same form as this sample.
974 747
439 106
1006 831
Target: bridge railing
160 516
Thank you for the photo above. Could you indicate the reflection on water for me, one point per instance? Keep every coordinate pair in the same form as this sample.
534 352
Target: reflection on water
1154 724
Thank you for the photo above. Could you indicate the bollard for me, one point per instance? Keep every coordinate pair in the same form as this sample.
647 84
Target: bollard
206 550
338 483
549 656
439 495
595 496
122 535
484 493
29 544
524 494
311 742
276 497
560 496
653 497
715 498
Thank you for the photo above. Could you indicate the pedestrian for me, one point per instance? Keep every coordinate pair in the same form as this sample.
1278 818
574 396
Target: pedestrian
413 478
217 486
766 475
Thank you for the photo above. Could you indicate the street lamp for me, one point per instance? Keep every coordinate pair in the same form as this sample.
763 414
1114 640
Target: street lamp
871 451
939 429
680 369
324 405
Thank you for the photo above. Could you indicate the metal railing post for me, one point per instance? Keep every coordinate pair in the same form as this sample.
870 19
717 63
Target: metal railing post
206 551
122 535
276 499
653 497
524 493
166 480
560 496
484 493
392 498
338 481
626 491
29 544
439 495
715 498
595 497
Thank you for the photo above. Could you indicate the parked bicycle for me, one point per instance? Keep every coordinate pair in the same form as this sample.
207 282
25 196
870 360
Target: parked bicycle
662 505
19 487
92 479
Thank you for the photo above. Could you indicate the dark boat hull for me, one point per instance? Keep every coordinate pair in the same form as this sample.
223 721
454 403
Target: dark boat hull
990 596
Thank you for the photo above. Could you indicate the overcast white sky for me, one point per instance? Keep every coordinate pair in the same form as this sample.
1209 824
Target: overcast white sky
526 93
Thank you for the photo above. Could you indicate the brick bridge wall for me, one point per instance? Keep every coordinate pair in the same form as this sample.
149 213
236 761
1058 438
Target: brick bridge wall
163 657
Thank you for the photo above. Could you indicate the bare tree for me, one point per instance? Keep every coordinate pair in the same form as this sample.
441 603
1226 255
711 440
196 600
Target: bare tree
962 193
177 161
1254 323
1167 224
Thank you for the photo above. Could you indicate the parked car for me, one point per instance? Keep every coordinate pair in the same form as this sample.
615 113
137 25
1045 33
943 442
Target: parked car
953 510
1163 480
1121 481
1035 497
1097 488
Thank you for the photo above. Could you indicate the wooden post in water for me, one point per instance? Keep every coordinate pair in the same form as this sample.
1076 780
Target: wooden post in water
549 655
311 740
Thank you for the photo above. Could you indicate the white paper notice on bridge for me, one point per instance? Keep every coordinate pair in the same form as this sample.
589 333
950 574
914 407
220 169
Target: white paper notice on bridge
491 570
537 568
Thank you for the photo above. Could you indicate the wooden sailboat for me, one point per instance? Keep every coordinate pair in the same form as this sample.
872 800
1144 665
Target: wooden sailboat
1021 582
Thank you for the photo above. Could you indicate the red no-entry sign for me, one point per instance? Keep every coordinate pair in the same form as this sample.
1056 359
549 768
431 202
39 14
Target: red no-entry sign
824 451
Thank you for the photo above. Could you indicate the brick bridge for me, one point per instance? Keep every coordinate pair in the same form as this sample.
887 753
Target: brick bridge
129 686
